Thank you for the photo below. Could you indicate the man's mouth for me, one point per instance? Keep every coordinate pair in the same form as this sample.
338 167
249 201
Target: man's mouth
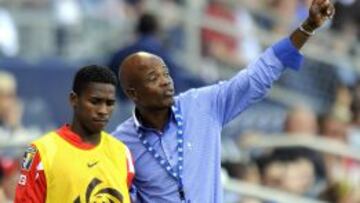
169 93
100 120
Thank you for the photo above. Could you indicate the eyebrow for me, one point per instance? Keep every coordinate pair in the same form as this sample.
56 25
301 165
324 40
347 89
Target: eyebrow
102 99
151 72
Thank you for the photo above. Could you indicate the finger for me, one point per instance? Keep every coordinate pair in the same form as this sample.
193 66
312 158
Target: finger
325 8
316 5
318 2
325 3
332 11
329 11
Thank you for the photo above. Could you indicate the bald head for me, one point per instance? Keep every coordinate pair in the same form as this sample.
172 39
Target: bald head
135 64
145 80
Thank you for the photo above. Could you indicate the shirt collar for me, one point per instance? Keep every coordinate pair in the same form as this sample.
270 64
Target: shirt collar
136 121
70 136
139 125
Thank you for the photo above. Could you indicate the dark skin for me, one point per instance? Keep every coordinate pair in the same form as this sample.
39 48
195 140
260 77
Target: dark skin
319 12
145 79
92 110
150 86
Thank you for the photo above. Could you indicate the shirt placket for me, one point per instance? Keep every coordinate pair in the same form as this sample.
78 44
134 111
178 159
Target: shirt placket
167 152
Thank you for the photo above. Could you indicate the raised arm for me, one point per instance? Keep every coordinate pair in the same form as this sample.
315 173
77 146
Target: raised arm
319 12
226 100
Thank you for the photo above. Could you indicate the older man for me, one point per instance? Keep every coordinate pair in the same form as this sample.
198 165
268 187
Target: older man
175 141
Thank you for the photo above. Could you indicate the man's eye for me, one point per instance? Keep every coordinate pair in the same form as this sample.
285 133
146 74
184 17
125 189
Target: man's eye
94 101
110 103
152 78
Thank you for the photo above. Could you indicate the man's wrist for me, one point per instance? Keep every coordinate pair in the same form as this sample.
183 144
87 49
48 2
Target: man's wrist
309 26
305 31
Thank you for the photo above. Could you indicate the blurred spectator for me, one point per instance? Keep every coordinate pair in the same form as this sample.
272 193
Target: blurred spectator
284 11
113 11
341 193
235 48
34 4
134 7
333 127
9 42
11 110
288 169
216 43
147 30
68 18
67 12
340 170
354 128
346 23
170 19
347 18
2 194
242 171
288 13
301 120
334 124
9 172
10 106
337 123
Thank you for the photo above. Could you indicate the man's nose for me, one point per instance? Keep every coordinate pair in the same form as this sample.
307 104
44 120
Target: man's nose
103 109
166 80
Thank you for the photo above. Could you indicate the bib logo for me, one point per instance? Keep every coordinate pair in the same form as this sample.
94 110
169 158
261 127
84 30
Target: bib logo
28 158
102 195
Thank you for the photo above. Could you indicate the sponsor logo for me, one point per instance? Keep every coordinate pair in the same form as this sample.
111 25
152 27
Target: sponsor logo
90 165
28 158
95 193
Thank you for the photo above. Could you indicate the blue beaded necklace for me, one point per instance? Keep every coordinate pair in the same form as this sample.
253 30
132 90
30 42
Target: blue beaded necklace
176 171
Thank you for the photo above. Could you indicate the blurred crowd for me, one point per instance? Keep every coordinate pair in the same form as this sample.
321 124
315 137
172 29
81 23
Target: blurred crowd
308 169
320 103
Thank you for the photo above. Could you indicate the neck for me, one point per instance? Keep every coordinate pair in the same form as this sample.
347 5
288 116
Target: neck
86 135
153 118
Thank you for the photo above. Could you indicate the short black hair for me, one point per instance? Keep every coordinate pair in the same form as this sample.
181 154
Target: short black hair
147 24
93 73
283 155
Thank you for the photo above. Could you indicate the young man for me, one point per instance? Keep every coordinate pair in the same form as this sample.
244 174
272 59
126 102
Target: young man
80 162
175 141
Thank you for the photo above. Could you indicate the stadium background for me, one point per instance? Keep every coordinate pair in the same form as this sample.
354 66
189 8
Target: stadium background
43 42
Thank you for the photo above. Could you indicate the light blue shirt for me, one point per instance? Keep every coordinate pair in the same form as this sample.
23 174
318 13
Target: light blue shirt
205 112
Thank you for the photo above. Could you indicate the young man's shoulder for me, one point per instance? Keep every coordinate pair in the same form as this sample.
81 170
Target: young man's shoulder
45 137
113 140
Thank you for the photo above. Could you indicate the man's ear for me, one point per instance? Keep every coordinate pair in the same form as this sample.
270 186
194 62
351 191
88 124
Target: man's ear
73 98
132 93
